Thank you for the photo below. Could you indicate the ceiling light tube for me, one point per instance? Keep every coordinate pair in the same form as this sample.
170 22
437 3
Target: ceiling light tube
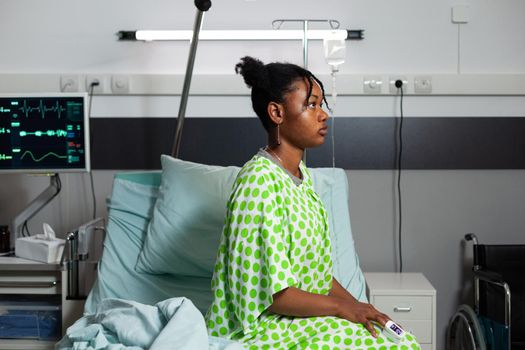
171 35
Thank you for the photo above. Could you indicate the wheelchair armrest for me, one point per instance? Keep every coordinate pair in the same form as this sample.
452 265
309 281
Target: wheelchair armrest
489 276
496 279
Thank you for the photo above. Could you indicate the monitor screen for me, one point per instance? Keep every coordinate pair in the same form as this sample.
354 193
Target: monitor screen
44 133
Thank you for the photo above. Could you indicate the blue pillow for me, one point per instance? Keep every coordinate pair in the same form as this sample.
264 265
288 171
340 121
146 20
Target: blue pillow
185 229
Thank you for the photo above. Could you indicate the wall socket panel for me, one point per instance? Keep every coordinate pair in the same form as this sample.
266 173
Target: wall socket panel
100 88
392 83
69 83
372 84
120 84
423 84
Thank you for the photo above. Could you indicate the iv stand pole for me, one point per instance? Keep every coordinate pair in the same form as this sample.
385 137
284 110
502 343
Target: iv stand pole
202 6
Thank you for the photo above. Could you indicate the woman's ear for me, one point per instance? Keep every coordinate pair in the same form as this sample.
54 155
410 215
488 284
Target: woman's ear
275 112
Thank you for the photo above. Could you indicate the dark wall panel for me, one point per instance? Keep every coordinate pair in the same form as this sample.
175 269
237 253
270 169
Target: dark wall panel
360 143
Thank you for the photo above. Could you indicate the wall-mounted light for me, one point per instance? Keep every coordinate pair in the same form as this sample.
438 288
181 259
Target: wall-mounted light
173 35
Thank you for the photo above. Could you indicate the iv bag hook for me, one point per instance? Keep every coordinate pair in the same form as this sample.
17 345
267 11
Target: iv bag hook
334 24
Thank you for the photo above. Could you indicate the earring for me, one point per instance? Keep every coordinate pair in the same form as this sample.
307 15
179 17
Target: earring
278 138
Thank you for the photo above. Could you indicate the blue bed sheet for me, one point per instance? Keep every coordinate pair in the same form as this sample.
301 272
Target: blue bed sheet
127 325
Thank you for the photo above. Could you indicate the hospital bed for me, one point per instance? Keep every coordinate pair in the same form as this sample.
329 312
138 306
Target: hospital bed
184 245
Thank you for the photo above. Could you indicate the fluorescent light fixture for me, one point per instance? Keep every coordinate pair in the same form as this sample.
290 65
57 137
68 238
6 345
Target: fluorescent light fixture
281 34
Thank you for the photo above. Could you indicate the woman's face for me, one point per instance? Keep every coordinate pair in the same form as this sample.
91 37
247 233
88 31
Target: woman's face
304 122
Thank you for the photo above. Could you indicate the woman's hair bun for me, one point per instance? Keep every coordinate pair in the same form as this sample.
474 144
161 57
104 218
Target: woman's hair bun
254 72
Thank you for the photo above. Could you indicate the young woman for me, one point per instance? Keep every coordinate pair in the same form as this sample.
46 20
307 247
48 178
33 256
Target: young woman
273 285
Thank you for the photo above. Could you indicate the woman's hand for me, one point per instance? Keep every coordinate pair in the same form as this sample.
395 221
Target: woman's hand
299 303
357 312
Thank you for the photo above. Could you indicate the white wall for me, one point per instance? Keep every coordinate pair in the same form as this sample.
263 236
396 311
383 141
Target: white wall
401 36
410 37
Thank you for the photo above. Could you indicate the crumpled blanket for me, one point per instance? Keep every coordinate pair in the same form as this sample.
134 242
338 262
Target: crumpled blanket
119 324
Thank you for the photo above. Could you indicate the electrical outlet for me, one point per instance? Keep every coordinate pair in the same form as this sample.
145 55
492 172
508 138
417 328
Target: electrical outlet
69 83
423 84
392 84
372 85
100 88
120 84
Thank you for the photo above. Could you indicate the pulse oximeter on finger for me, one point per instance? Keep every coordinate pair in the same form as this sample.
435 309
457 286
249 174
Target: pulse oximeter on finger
393 332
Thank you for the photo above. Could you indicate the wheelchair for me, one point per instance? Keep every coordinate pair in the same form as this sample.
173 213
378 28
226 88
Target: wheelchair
497 321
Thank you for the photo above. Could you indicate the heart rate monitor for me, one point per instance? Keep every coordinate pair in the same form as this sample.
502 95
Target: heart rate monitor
393 331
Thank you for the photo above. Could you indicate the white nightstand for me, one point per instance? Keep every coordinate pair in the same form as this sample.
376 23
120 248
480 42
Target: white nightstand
26 277
409 299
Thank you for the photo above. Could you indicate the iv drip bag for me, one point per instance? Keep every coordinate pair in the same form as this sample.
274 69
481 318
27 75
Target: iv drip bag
334 50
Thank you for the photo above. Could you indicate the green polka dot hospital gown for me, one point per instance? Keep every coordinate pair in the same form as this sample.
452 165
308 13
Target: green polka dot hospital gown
276 236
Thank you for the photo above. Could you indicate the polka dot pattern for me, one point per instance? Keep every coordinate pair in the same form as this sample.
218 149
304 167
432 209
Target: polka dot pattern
276 236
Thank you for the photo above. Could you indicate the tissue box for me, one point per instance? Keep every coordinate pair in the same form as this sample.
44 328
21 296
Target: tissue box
46 251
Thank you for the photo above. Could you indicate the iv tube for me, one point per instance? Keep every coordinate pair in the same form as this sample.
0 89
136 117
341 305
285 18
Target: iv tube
332 112
335 52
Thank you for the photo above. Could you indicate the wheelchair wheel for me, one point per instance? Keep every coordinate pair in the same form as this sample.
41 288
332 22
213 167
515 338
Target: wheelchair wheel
464 331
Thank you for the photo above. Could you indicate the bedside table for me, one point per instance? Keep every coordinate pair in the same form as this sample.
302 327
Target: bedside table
26 277
409 299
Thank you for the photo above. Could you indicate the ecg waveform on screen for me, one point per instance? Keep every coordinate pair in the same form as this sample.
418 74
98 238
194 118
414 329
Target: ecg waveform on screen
51 133
42 109
49 154
42 132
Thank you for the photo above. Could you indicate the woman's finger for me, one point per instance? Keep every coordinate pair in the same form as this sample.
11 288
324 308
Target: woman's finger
382 319
378 317
368 325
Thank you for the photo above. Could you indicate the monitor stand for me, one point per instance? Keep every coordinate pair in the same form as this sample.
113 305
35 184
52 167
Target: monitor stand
34 207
